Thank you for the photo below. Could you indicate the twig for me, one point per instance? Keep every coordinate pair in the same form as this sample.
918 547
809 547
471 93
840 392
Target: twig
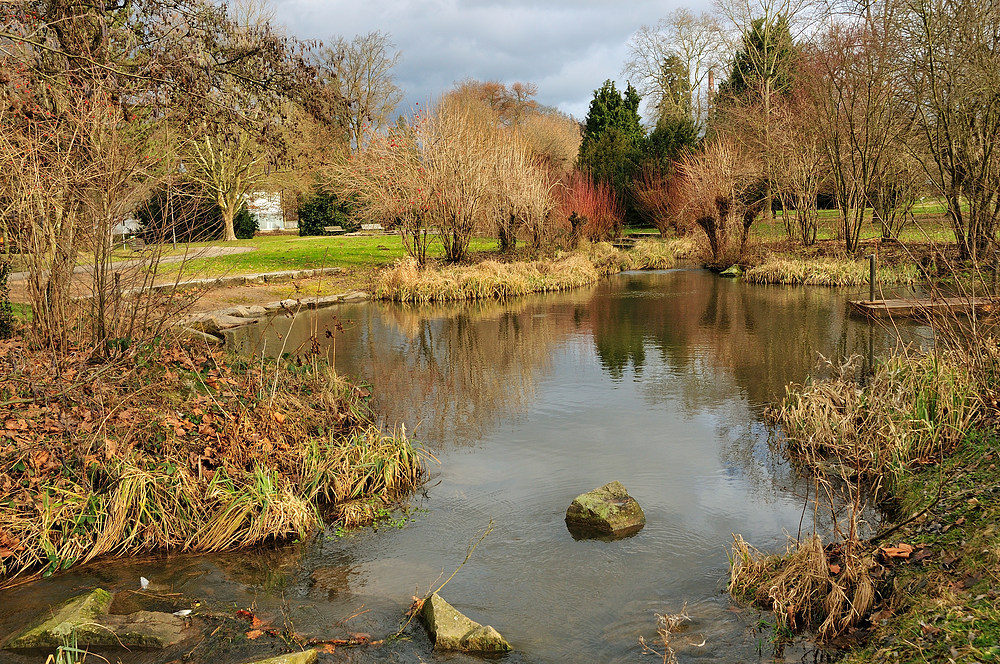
468 554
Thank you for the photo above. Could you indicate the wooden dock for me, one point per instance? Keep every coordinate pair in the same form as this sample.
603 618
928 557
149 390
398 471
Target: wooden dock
923 307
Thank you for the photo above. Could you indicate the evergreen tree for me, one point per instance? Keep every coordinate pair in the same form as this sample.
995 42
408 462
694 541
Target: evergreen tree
673 136
765 64
610 109
676 85
613 138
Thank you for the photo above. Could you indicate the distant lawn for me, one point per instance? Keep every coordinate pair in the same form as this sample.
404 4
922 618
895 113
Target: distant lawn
930 225
274 253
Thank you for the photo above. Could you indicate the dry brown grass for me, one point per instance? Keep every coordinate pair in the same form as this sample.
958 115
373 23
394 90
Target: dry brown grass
407 281
914 409
826 271
187 451
828 589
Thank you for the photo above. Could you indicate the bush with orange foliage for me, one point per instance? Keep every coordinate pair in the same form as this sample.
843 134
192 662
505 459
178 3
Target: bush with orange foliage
654 192
593 205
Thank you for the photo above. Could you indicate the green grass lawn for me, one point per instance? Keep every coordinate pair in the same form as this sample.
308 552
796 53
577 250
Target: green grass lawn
930 225
273 253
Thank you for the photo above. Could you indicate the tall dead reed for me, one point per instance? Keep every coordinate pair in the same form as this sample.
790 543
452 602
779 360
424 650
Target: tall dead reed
915 408
829 589
187 452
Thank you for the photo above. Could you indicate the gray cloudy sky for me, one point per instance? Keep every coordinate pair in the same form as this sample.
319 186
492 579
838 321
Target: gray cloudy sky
566 47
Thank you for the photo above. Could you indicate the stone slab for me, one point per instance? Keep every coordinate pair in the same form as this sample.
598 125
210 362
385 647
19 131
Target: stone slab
304 657
451 630
86 617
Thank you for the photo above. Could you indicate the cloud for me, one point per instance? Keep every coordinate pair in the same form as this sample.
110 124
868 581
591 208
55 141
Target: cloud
568 48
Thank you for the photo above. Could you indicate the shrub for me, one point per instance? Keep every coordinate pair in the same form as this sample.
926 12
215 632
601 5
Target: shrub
593 206
653 192
244 223
721 190
321 209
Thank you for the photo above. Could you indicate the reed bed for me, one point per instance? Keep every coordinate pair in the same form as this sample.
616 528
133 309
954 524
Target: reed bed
645 255
407 281
827 272
914 410
829 589
187 453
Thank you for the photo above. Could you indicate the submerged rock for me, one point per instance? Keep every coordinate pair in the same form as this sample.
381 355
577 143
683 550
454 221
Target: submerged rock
86 618
607 511
450 630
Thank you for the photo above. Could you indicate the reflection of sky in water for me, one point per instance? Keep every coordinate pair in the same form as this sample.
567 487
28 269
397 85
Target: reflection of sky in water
656 380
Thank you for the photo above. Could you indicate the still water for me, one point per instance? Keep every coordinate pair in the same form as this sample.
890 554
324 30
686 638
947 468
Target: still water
658 380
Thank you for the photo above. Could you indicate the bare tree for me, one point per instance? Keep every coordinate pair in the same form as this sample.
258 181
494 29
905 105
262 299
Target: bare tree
511 104
94 95
554 137
853 80
801 165
762 35
696 43
361 70
955 82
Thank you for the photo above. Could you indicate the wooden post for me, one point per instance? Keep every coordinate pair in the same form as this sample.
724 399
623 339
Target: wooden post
871 277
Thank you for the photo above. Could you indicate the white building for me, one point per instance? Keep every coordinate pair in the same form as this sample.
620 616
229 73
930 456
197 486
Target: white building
266 207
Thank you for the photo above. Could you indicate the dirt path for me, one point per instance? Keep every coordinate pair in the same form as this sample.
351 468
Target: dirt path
201 252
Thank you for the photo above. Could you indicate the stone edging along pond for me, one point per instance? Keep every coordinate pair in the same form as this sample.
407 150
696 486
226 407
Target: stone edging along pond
208 326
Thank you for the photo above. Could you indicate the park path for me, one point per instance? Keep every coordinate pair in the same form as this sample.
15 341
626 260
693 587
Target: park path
201 252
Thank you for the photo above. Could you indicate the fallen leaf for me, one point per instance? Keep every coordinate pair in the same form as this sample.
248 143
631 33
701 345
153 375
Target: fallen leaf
327 648
929 630
254 633
901 550
278 417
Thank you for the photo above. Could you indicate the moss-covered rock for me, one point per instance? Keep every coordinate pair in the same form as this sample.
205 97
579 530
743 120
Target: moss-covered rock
304 657
607 511
85 618
451 630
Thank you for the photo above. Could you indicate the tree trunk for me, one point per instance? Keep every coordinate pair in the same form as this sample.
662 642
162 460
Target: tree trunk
228 213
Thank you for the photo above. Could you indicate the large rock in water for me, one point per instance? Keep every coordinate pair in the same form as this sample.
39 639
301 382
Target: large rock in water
607 512
450 630
87 617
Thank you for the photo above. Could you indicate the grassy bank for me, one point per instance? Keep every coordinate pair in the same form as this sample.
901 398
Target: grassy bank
493 279
919 438
827 271
182 450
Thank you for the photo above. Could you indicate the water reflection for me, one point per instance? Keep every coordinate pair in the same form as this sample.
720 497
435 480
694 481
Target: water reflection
657 380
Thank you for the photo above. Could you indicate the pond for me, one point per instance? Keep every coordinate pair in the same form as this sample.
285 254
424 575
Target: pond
659 380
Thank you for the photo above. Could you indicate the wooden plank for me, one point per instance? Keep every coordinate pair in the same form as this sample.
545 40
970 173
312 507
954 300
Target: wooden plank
922 307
